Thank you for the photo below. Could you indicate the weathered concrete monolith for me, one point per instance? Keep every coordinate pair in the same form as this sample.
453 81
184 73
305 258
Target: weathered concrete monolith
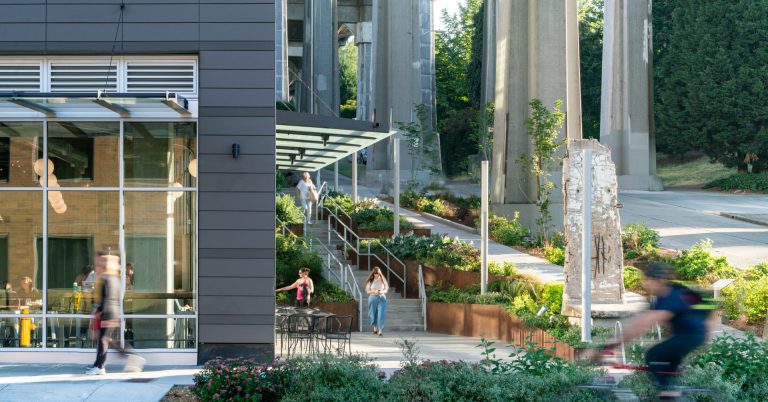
607 254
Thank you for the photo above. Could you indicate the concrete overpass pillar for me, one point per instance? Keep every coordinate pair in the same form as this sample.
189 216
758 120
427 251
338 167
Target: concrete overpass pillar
403 56
537 56
364 43
320 69
626 108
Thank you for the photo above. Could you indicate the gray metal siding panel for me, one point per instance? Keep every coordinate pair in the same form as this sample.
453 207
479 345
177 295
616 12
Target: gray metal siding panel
237 13
233 219
237 60
240 30
237 97
23 13
225 254
237 333
237 78
225 286
223 143
235 181
22 32
238 238
241 268
233 305
239 319
165 13
236 201
238 125
259 163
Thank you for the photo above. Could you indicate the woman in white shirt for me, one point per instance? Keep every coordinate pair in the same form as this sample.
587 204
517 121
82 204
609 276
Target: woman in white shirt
304 191
376 287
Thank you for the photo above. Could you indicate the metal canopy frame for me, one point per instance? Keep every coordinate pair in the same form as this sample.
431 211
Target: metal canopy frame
311 142
38 101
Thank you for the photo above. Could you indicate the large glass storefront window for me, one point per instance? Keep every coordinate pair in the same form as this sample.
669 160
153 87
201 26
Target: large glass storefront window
57 209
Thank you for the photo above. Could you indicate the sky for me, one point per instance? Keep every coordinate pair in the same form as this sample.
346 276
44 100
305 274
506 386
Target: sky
451 5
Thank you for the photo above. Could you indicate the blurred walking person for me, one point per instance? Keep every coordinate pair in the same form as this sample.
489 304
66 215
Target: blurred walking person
106 315
307 193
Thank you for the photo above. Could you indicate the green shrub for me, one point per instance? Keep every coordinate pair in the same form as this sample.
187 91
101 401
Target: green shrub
507 268
383 222
369 214
552 297
554 254
292 253
698 264
638 240
742 181
456 255
432 206
330 378
436 250
279 181
633 279
506 231
328 292
757 271
287 210
242 380
742 360
756 301
409 198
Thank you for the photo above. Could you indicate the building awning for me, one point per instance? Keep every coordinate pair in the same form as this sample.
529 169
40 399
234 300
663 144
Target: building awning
93 105
309 142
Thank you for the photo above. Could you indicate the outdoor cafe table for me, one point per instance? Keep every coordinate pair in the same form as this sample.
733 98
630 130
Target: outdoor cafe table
315 320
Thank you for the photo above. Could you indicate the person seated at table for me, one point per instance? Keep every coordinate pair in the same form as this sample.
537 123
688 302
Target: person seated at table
26 294
88 282
305 287
83 274
129 275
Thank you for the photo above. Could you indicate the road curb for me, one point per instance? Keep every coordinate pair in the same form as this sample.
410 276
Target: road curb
741 218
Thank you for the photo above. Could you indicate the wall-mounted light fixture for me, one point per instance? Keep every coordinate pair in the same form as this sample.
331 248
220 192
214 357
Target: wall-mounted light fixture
235 150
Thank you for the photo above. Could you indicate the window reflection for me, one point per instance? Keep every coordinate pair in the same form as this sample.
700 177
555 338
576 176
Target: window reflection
83 154
20 264
160 154
20 146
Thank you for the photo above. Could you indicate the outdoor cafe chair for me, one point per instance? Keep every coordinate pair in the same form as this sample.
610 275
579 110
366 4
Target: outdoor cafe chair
301 333
338 330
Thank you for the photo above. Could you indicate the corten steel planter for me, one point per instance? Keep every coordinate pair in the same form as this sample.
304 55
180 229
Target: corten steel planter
426 232
375 234
345 308
493 323
296 228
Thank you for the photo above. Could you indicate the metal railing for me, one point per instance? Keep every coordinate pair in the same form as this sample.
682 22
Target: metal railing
345 278
283 227
423 297
352 240
618 333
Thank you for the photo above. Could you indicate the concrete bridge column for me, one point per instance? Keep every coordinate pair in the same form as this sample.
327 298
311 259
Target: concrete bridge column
626 110
364 43
320 69
537 56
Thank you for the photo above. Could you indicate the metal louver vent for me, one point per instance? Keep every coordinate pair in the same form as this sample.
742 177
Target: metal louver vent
83 78
19 78
178 78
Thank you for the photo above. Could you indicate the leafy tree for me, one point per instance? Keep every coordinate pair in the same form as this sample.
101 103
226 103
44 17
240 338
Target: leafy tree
348 73
453 52
544 130
714 73
591 55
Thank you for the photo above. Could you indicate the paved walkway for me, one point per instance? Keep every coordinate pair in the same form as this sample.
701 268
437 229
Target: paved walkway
66 382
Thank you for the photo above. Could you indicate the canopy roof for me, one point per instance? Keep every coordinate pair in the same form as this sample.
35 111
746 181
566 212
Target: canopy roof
309 142
92 104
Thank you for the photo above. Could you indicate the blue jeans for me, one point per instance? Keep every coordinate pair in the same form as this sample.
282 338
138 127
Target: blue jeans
377 310
306 204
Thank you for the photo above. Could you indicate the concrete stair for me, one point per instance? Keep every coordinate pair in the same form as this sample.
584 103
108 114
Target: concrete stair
402 314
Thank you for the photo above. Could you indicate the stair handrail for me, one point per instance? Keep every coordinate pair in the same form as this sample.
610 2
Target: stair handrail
356 289
283 227
347 231
331 259
320 199
337 207
423 297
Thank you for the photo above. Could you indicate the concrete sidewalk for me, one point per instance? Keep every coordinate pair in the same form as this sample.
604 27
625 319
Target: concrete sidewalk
66 382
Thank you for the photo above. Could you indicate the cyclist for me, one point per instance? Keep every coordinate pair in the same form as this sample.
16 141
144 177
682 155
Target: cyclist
685 314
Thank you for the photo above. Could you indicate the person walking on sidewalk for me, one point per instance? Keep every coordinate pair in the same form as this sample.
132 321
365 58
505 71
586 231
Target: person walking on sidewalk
106 315
376 287
307 193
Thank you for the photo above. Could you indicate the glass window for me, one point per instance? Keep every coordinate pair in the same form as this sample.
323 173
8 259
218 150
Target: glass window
88 222
21 225
84 154
160 154
21 332
20 148
160 249
160 333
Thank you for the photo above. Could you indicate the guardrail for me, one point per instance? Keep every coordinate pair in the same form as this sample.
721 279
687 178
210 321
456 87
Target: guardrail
345 278
423 297
283 227
352 240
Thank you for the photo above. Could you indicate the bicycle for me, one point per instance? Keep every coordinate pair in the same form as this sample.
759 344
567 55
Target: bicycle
600 357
